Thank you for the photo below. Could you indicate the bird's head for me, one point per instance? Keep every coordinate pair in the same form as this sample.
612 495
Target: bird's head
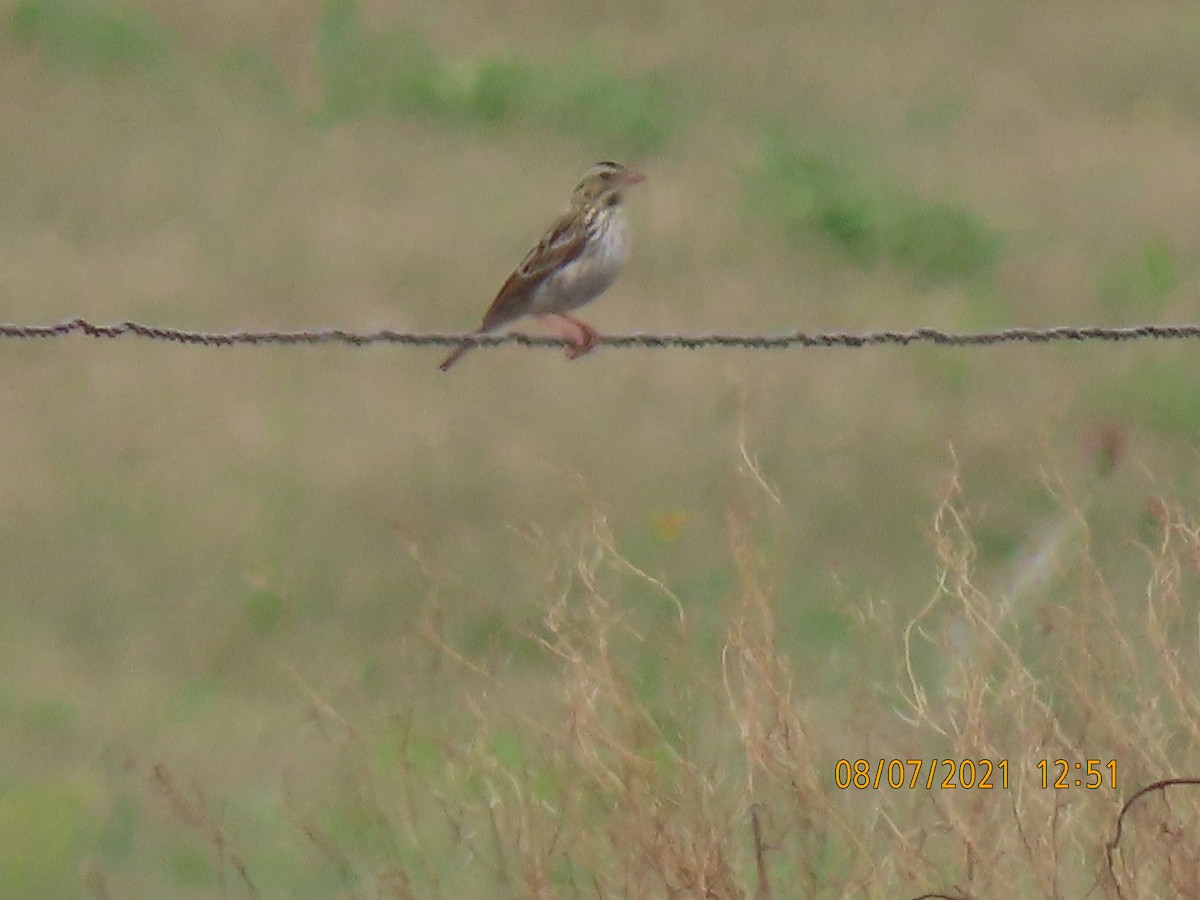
602 184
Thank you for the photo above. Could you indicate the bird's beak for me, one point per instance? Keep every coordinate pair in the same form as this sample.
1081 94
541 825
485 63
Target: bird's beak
632 177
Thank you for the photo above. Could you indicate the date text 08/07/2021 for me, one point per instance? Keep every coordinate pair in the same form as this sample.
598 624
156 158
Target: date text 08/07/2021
970 774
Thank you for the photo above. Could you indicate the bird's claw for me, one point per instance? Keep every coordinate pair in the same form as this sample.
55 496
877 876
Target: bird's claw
583 340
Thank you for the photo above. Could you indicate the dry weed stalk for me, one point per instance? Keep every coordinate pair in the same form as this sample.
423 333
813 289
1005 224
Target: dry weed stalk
1170 624
665 824
1065 674
194 813
780 756
601 800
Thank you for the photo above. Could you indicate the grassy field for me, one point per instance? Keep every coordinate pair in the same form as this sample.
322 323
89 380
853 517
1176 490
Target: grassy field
326 622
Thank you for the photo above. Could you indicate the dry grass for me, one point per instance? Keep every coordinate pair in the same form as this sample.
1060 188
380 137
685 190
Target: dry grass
719 779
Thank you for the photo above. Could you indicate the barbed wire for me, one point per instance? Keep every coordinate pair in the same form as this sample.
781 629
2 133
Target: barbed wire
637 340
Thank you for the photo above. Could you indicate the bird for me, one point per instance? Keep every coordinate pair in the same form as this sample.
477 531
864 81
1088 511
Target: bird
577 259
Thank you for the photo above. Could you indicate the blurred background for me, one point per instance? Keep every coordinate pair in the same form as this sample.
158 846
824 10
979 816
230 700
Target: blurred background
227 574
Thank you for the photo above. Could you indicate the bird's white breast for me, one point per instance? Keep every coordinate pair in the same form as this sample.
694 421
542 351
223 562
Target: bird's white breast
591 273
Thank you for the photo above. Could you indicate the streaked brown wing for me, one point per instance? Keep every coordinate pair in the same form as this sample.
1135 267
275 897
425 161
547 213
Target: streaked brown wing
563 242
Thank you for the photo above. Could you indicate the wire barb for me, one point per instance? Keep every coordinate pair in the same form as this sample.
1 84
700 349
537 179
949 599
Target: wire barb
637 340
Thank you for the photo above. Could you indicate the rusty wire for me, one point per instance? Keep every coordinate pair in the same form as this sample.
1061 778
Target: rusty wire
777 341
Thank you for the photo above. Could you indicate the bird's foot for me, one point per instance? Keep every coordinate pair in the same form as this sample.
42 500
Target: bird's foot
583 337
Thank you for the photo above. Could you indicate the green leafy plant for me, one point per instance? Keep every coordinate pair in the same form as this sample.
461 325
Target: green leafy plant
89 36
395 72
1141 280
826 196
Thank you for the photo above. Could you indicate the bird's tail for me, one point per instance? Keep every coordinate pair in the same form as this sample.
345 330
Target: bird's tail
456 353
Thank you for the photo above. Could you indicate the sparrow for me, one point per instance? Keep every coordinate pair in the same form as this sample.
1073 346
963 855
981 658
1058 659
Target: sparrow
578 257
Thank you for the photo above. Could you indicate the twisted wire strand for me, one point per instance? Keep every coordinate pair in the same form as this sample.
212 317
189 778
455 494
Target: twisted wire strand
779 341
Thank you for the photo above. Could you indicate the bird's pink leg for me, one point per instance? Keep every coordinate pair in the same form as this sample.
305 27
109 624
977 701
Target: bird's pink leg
586 334
581 336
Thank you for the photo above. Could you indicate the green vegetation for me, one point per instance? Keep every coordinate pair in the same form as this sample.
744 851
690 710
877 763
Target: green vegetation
1141 281
1160 395
391 72
42 829
88 36
397 73
823 195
